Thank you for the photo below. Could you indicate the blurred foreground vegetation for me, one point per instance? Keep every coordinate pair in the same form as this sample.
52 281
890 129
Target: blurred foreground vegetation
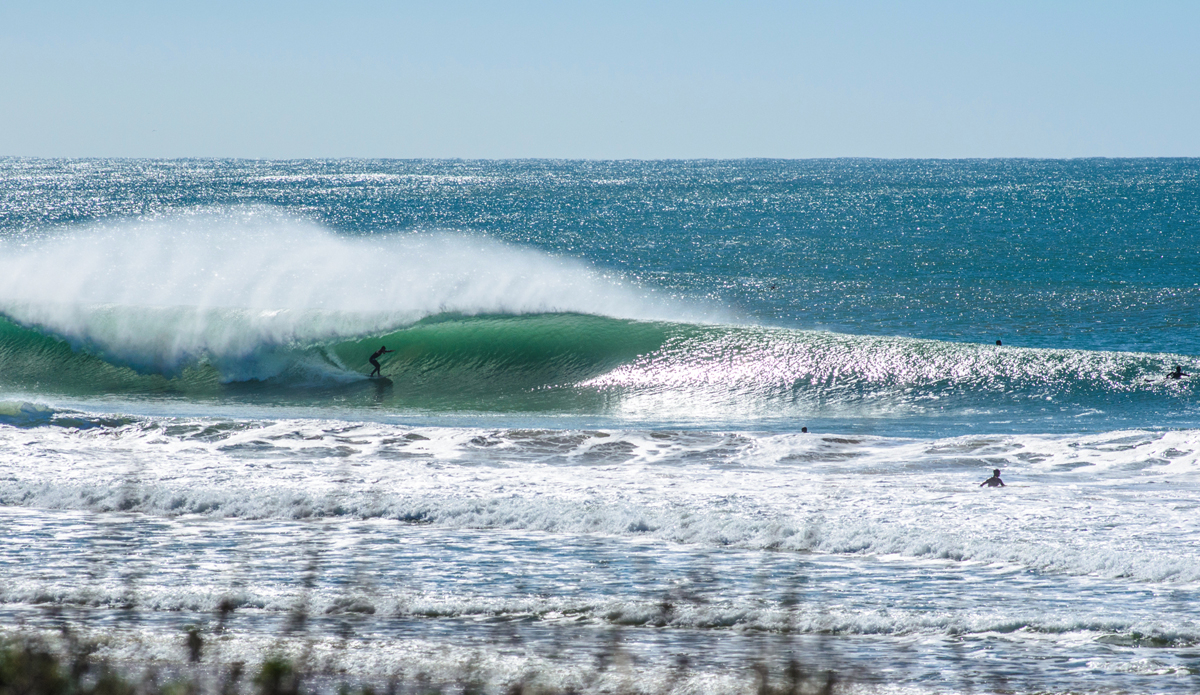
34 666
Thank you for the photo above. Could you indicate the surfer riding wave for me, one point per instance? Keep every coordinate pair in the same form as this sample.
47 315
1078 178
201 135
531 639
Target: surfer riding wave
374 359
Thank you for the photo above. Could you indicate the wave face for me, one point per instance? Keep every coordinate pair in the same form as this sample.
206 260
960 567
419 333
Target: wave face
249 295
251 305
648 371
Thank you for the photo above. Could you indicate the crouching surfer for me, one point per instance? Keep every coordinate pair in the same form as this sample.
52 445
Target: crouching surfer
995 480
374 359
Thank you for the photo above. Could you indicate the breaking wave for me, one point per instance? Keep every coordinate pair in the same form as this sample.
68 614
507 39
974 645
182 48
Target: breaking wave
249 303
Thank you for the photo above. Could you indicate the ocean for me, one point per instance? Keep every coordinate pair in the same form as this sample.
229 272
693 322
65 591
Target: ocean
647 426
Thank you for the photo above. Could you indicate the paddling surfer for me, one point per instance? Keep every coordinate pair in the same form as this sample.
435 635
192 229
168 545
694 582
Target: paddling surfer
993 481
1178 373
374 359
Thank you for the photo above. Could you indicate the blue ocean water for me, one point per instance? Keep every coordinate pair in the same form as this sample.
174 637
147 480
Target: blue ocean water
599 375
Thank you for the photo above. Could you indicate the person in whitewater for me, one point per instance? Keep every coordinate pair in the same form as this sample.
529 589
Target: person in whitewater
374 359
1178 373
993 481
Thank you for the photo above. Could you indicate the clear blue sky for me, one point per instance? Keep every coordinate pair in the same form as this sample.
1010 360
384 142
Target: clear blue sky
367 78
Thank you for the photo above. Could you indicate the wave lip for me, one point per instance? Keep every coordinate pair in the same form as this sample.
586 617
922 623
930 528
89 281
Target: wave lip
235 286
25 414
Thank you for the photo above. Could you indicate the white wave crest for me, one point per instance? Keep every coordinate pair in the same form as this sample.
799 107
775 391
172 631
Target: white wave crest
235 284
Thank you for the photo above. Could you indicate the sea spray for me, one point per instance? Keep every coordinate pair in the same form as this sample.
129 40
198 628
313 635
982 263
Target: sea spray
235 285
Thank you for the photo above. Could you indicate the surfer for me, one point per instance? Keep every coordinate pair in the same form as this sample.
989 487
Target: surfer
993 481
374 359
1178 373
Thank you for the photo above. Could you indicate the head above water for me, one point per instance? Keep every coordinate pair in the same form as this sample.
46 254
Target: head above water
995 472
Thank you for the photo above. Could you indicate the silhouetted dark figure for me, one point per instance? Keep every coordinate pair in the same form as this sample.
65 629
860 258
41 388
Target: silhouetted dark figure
194 643
373 359
1178 373
804 430
997 342
993 481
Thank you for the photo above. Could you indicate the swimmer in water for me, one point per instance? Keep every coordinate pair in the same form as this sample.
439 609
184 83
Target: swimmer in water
993 481
1178 373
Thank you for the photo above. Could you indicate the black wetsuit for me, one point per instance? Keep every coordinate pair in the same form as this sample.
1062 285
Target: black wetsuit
373 359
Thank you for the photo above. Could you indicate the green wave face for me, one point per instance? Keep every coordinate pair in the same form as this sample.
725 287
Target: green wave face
451 360
635 370
443 362
33 361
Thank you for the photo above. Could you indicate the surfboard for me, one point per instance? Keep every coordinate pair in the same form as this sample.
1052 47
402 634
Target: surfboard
380 380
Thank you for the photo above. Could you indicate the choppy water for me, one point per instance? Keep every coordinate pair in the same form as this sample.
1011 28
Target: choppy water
592 427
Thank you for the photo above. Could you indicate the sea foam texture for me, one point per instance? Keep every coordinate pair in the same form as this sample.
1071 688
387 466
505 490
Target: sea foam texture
1069 508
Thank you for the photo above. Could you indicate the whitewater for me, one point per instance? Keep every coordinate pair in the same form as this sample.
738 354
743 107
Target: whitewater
709 412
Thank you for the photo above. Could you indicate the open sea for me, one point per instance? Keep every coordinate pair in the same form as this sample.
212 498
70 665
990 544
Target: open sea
644 425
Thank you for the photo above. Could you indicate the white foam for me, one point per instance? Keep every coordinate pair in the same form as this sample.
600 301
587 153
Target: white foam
1115 505
1091 545
225 284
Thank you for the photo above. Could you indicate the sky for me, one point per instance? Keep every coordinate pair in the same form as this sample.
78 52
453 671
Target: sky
599 80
